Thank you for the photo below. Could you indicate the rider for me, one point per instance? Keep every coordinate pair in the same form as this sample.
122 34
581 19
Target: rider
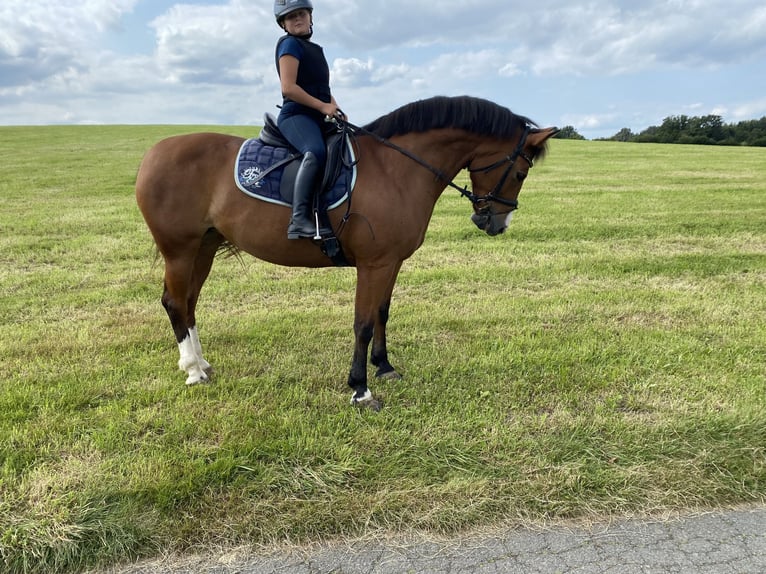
305 81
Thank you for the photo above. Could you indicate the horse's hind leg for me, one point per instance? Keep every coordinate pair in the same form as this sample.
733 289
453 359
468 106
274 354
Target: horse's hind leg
178 273
202 265
185 273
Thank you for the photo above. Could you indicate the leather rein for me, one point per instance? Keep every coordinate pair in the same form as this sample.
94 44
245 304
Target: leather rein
492 196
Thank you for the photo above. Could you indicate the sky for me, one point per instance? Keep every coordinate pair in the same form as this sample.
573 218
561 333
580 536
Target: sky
599 66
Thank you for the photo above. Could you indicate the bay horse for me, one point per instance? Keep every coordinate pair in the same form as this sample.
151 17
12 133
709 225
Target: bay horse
186 192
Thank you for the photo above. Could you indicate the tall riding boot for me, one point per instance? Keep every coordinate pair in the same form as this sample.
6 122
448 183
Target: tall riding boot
302 223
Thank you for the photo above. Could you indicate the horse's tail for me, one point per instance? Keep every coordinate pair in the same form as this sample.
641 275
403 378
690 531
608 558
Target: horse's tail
228 249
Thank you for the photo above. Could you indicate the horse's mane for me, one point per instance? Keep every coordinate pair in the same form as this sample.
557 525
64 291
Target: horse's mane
467 113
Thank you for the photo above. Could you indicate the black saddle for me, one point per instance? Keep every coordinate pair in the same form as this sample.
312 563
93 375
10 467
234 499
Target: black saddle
270 134
336 140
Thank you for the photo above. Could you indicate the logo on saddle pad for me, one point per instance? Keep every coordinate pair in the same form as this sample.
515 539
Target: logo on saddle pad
252 177
268 172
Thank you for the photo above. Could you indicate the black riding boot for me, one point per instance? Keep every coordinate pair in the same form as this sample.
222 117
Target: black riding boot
303 223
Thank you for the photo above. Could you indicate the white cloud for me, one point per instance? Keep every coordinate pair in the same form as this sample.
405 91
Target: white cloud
352 72
610 38
209 44
414 23
391 72
213 60
588 122
45 38
509 70
754 109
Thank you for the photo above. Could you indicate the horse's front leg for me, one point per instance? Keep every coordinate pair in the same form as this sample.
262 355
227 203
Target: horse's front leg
379 356
372 295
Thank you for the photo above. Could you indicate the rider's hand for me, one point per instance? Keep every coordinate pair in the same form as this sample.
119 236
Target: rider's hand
332 110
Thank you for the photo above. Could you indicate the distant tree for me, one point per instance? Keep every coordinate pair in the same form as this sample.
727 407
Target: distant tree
752 132
710 127
624 135
706 130
568 133
672 128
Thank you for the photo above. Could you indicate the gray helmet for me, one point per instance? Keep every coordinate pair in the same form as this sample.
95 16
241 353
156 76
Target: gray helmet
283 7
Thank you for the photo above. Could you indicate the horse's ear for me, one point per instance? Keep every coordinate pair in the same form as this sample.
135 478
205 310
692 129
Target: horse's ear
538 137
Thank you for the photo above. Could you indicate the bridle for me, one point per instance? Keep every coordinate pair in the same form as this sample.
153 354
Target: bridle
510 160
487 199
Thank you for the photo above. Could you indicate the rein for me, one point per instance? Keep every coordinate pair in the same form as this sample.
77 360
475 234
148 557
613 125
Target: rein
510 160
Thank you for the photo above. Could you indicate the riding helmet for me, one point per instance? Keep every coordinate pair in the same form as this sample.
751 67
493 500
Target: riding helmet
283 7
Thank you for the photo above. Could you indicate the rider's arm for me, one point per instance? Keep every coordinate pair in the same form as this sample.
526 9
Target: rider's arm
288 74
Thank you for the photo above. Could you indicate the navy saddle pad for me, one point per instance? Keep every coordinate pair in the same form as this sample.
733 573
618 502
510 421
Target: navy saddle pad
267 173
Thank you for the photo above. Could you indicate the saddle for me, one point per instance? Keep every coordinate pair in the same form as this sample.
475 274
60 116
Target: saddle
267 165
338 148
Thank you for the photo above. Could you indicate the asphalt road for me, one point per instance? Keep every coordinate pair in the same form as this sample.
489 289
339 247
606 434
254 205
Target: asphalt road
726 542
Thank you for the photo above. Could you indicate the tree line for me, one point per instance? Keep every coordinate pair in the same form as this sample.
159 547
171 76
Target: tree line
705 130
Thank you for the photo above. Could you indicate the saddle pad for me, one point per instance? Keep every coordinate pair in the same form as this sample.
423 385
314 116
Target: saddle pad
255 158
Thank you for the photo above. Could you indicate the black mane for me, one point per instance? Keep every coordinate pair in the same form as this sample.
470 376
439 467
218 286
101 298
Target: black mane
467 113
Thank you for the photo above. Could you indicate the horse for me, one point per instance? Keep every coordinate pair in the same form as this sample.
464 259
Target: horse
186 193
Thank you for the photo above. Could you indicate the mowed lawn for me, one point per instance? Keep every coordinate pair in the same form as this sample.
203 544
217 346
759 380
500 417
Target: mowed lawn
606 356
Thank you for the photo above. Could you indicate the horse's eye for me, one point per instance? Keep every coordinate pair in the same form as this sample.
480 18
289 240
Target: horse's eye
521 176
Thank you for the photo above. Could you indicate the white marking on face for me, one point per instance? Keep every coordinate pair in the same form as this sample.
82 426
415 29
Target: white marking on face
508 218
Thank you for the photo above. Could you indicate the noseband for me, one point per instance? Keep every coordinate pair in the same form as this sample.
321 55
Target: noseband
492 196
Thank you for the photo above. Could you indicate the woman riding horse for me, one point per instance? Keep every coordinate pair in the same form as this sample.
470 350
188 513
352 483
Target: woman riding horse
305 80
187 194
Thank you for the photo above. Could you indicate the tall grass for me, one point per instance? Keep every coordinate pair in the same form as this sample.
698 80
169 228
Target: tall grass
606 356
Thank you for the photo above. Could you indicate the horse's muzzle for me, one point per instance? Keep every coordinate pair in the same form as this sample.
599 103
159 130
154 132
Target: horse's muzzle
491 224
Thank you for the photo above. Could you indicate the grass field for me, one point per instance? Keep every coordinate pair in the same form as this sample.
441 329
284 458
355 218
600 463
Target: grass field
606 356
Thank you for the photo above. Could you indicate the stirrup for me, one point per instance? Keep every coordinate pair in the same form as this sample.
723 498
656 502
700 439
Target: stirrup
316 232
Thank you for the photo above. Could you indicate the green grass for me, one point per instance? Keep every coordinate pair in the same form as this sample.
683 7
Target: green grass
606 356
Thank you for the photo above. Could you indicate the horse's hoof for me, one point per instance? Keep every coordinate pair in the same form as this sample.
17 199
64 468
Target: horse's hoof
194 380
366 401
389 376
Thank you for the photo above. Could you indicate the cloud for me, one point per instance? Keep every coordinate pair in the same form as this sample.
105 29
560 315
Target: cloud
209 44
213 60
416 23
509 70
352 72
587 122
610 38
46 38
600 38
753 109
